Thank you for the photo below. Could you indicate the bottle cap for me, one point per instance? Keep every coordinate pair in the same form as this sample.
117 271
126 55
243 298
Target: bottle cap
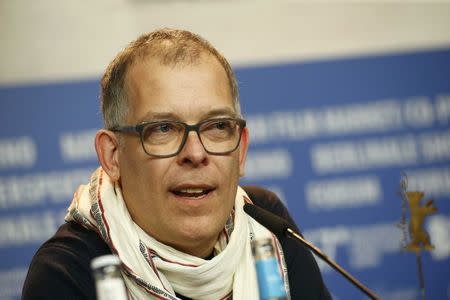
105 260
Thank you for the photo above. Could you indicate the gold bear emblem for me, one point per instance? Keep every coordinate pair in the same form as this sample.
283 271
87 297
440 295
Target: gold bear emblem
419 237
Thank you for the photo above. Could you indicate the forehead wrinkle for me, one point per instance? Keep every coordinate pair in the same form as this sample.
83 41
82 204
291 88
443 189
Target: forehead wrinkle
169 115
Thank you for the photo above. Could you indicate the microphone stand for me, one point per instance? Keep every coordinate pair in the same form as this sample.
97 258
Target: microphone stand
292 234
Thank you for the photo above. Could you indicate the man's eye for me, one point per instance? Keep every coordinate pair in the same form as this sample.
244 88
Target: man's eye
221 125
165 127
158 130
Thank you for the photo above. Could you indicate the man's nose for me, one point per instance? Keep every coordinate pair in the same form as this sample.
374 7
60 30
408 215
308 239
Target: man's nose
193 151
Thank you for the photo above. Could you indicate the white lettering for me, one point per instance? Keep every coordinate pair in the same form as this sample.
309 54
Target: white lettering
439 229
371 153
365 245
419 112
435 182
443 108
29 190
343 193
78 146
275 163
328 240
259 128
28 228
18 152
435 146
379 115
11 282
370 243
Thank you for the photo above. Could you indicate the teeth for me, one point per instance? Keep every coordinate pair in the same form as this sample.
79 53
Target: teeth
192 191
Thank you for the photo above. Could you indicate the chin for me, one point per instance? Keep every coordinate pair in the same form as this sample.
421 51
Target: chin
198 229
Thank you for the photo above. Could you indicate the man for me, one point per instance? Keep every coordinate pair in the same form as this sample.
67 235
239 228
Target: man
166 198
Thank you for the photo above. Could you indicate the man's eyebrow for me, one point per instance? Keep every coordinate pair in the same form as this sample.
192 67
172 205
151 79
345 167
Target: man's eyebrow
225 111
152 116
155 116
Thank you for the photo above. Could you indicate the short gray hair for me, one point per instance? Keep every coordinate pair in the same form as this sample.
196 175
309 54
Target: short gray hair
170 47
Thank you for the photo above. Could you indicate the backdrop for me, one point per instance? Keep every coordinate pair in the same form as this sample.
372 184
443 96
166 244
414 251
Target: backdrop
330 137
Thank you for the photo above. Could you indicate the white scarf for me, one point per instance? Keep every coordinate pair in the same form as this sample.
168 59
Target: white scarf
152 270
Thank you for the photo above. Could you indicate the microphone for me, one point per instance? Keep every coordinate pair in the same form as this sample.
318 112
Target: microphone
281 229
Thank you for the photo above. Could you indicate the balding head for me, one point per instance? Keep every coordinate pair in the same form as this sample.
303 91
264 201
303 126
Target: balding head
167 47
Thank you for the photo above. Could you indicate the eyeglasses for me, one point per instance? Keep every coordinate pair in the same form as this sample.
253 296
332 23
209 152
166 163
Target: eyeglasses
167 138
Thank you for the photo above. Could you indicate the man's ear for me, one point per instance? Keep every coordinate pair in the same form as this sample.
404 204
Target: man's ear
107 147
243 147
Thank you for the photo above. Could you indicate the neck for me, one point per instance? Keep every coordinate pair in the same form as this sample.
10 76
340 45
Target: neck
201 249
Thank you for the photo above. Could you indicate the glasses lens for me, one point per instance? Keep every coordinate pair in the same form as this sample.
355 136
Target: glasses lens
162 138
220 135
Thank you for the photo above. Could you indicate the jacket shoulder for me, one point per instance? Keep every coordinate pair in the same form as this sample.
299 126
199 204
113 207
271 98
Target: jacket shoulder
269 201
61 266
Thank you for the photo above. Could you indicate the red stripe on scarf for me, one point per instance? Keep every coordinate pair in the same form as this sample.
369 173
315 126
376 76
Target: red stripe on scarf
170 261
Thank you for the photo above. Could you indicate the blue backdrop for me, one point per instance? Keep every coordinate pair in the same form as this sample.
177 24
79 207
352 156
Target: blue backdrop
330 137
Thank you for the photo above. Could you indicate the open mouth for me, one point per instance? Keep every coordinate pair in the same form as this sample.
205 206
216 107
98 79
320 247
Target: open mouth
193 193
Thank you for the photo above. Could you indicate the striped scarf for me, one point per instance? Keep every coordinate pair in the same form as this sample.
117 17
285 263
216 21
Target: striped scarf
152 270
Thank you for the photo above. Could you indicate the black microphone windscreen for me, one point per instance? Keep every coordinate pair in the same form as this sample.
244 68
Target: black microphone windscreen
269 220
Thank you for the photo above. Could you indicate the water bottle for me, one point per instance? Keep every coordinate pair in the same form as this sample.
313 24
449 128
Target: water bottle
270 282
109 283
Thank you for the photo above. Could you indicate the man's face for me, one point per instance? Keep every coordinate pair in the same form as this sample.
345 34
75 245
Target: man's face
152 186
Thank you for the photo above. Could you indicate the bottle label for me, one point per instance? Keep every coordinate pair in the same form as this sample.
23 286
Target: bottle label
111 289
271 285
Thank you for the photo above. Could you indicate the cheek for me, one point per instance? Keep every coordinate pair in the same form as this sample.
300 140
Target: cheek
140 174
235 168
229 172
130 166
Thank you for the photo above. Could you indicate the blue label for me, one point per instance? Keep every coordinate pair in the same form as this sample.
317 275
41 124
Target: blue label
269 279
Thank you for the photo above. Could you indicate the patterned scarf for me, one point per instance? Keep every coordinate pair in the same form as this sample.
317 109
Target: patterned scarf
152 270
